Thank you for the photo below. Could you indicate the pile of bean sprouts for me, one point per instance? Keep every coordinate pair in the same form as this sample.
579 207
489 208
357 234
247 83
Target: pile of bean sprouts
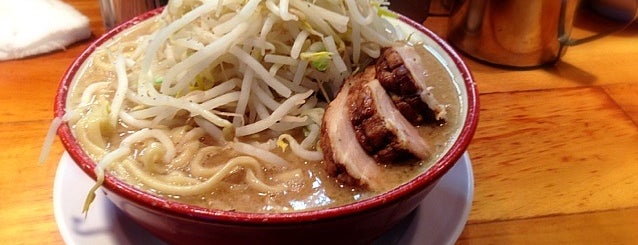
244 73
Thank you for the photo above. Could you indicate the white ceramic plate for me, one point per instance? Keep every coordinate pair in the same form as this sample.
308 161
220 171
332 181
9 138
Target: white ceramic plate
438 220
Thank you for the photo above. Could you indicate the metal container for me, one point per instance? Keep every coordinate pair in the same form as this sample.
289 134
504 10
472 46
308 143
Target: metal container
521 33
518 33
115 12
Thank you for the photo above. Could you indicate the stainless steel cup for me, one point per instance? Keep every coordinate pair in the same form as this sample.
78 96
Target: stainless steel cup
518 33
115 12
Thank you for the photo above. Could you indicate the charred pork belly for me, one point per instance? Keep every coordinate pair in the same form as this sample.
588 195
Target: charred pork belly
403 74
372 121
343 156
380 128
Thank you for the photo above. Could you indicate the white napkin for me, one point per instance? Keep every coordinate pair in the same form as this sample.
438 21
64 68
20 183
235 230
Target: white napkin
30 27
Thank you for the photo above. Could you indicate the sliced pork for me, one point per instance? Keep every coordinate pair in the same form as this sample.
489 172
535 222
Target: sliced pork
380 128
344 158
372 121
403 74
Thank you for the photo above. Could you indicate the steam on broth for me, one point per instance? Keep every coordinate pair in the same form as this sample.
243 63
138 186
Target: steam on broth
220 103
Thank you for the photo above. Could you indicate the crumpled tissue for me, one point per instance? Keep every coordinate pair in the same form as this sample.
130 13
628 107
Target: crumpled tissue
32 27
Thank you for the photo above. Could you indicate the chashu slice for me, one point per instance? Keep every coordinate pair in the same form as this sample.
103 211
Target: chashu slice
344 158
379 126
403 74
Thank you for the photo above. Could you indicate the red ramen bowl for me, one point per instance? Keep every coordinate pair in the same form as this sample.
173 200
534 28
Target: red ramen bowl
354 223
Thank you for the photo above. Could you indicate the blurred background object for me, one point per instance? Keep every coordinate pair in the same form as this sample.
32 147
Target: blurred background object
115 12
518 33
420 10
622 10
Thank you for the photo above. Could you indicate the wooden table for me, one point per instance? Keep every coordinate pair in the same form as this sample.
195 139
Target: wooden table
555 156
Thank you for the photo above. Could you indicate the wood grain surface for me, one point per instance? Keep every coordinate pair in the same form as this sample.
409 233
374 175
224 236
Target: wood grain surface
555 156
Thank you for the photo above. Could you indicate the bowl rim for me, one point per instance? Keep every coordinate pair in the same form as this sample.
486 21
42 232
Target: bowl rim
168 207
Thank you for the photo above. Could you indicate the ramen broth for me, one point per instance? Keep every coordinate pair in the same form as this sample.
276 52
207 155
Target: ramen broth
311 188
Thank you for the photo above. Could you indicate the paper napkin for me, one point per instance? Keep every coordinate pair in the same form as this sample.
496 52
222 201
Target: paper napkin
31 27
